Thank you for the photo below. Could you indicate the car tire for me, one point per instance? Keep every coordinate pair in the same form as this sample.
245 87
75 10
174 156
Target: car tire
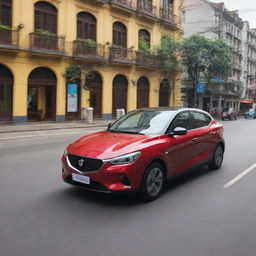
152 182
217 158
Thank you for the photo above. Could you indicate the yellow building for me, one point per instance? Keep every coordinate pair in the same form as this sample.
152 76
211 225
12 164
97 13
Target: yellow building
39 39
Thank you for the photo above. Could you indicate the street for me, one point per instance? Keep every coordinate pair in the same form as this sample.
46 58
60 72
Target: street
201 213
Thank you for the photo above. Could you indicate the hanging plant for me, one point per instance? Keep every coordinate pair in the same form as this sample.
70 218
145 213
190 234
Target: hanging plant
5 27
88 42
73 73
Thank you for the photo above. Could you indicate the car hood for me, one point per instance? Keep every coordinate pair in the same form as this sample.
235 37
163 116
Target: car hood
104 144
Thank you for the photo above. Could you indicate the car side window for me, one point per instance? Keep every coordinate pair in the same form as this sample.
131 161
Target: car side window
182 120
199 120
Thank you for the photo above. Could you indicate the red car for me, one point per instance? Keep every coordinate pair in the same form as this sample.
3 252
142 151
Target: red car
142 149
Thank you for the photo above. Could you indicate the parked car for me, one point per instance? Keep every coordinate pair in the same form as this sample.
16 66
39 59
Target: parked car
142 149
229 114
250 114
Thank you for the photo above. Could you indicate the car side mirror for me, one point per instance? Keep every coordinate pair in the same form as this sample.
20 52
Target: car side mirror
109 125
178 131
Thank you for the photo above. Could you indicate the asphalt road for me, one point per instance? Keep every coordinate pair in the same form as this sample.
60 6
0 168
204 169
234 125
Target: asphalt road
199 214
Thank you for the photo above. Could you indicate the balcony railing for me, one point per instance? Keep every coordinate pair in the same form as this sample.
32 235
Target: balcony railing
81 49
252 59
9 38
147 59
46 43
166 14
146 7
123 3
118 54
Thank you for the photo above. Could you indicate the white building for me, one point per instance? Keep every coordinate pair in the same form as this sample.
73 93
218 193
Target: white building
214 21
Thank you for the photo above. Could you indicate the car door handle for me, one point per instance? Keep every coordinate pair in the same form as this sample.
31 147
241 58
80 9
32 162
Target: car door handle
213 132
194 139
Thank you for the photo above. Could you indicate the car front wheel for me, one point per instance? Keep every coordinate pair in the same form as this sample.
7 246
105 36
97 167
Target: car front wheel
153 181
217 158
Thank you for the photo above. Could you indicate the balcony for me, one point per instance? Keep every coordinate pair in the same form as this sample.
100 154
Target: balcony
121 55
83 50
126 5
237 66
9 38
147 60
252 59
45 43
167 15
146 7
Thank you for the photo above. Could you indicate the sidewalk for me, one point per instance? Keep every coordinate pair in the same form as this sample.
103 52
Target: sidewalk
39 126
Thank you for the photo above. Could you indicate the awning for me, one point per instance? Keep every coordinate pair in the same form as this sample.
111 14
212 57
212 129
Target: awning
248 101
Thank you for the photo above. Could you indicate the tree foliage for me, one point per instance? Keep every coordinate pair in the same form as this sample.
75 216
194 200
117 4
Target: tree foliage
73 73
206 58
168 52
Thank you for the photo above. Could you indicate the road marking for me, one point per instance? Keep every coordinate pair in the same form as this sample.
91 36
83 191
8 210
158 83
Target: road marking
38 135
240 176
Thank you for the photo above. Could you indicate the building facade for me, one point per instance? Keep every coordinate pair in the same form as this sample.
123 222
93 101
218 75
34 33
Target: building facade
40 39
214 21
249 67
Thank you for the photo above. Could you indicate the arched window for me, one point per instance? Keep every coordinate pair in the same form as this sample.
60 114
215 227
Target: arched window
86 26
164 93
5 12
143 93
94 83
45 17
6 86
119 34
119 95
146 38
41 104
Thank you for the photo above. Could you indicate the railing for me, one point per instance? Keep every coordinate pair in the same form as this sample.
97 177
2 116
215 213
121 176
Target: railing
252 59
49 43
118 54
147 59
81 49
237 66
9 37
166 14
124 3
146 7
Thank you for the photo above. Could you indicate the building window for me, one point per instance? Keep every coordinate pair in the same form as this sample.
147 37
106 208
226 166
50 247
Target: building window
5 12
86 26
119 35
45 17
146 36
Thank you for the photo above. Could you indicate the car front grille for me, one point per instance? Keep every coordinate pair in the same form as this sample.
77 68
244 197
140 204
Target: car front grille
85 164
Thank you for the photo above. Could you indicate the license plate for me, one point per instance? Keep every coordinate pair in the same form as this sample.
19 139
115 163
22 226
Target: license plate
81 178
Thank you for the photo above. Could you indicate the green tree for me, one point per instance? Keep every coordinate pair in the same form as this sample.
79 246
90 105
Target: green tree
205 58
73 73
168 53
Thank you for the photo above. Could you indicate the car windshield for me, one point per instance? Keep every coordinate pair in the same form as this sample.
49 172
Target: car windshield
143 122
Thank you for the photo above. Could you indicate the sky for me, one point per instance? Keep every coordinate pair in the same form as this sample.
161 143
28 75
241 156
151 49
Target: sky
247 9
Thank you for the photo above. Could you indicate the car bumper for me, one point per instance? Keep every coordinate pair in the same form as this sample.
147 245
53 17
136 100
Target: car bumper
109 179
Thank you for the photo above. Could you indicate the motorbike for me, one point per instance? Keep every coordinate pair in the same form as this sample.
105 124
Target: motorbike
251 114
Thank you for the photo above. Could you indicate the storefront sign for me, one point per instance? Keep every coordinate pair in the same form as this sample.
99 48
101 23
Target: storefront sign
201 83
72 98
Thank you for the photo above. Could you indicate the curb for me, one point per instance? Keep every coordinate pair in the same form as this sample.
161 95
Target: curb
56 128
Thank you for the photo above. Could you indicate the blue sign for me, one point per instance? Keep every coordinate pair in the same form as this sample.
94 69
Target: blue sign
72 98
200 88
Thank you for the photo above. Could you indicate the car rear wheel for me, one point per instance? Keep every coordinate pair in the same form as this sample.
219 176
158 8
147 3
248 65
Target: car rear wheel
153 181
217 158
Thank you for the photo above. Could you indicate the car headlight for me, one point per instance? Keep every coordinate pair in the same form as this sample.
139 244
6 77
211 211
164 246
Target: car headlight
125 159
65 152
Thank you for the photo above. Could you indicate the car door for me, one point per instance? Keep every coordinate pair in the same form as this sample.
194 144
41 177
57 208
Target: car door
200 123
181 150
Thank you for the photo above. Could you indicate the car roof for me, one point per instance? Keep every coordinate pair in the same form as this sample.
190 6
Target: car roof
173 109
